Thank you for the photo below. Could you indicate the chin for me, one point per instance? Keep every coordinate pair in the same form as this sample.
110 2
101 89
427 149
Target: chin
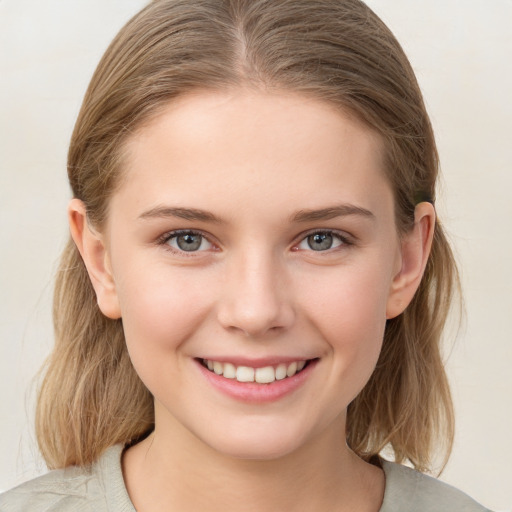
264 451
259 442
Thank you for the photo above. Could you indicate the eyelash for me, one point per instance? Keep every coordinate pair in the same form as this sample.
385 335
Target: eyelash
165 238
342 238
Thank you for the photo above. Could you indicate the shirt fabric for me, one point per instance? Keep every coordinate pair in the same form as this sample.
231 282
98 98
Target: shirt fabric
101 488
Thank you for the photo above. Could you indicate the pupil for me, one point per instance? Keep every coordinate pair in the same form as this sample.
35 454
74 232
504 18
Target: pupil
320 241
189 242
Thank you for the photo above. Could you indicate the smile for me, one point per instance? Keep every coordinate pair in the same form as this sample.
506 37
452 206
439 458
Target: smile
257 382
264 375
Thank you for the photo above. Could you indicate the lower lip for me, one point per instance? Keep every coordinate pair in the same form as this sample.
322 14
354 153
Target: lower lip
254 392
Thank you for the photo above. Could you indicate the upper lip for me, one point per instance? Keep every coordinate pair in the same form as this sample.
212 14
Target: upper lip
256 362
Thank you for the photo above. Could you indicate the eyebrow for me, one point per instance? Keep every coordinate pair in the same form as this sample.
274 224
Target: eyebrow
331 212
181 213
196 214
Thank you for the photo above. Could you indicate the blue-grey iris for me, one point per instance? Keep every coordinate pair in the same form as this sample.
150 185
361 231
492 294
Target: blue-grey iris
320 241
189 242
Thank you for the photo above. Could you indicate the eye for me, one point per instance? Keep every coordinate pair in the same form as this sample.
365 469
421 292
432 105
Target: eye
187 241
322 241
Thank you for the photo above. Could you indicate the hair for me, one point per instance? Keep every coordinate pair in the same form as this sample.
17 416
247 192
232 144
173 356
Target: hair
337 51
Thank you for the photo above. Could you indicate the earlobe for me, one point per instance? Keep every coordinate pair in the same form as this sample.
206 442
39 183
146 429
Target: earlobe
415 250
94 253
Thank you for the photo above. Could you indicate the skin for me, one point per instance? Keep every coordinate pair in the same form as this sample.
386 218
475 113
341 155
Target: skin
255 288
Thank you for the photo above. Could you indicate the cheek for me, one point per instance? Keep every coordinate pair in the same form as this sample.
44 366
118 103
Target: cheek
349 310
162 308
161 311
349 300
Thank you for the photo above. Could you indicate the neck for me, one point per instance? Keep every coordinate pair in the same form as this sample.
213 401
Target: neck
162 473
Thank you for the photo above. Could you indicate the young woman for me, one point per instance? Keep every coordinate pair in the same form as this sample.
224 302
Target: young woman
250 308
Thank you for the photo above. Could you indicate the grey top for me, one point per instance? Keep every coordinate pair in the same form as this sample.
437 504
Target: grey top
101 489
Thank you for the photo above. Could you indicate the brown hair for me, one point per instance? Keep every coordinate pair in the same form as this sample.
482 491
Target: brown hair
337 51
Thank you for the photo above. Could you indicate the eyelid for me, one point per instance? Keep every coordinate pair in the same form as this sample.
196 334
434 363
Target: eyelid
346 239
164 239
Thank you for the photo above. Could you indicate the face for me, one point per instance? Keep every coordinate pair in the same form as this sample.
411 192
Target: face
254 234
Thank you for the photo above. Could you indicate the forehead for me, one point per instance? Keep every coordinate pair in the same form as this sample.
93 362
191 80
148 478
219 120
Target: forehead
252 149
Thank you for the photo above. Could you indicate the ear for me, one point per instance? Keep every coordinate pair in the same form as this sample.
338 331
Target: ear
415 249
95 255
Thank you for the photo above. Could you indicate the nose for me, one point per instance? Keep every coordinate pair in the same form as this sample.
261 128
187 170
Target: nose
256 299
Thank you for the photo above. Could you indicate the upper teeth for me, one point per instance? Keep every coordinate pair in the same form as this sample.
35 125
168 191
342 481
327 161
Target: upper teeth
264 375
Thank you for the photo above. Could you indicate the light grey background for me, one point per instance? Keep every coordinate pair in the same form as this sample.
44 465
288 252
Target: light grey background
462 53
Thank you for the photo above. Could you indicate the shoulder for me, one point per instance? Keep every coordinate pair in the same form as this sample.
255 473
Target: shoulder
98 488
408 490
62 489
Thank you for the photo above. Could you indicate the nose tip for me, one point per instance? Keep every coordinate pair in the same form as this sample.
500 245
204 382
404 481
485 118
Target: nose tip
256 321
256 303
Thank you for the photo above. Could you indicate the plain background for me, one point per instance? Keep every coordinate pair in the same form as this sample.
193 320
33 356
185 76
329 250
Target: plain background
462 53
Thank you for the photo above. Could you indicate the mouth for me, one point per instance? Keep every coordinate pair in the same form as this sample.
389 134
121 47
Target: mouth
261 375
264 382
